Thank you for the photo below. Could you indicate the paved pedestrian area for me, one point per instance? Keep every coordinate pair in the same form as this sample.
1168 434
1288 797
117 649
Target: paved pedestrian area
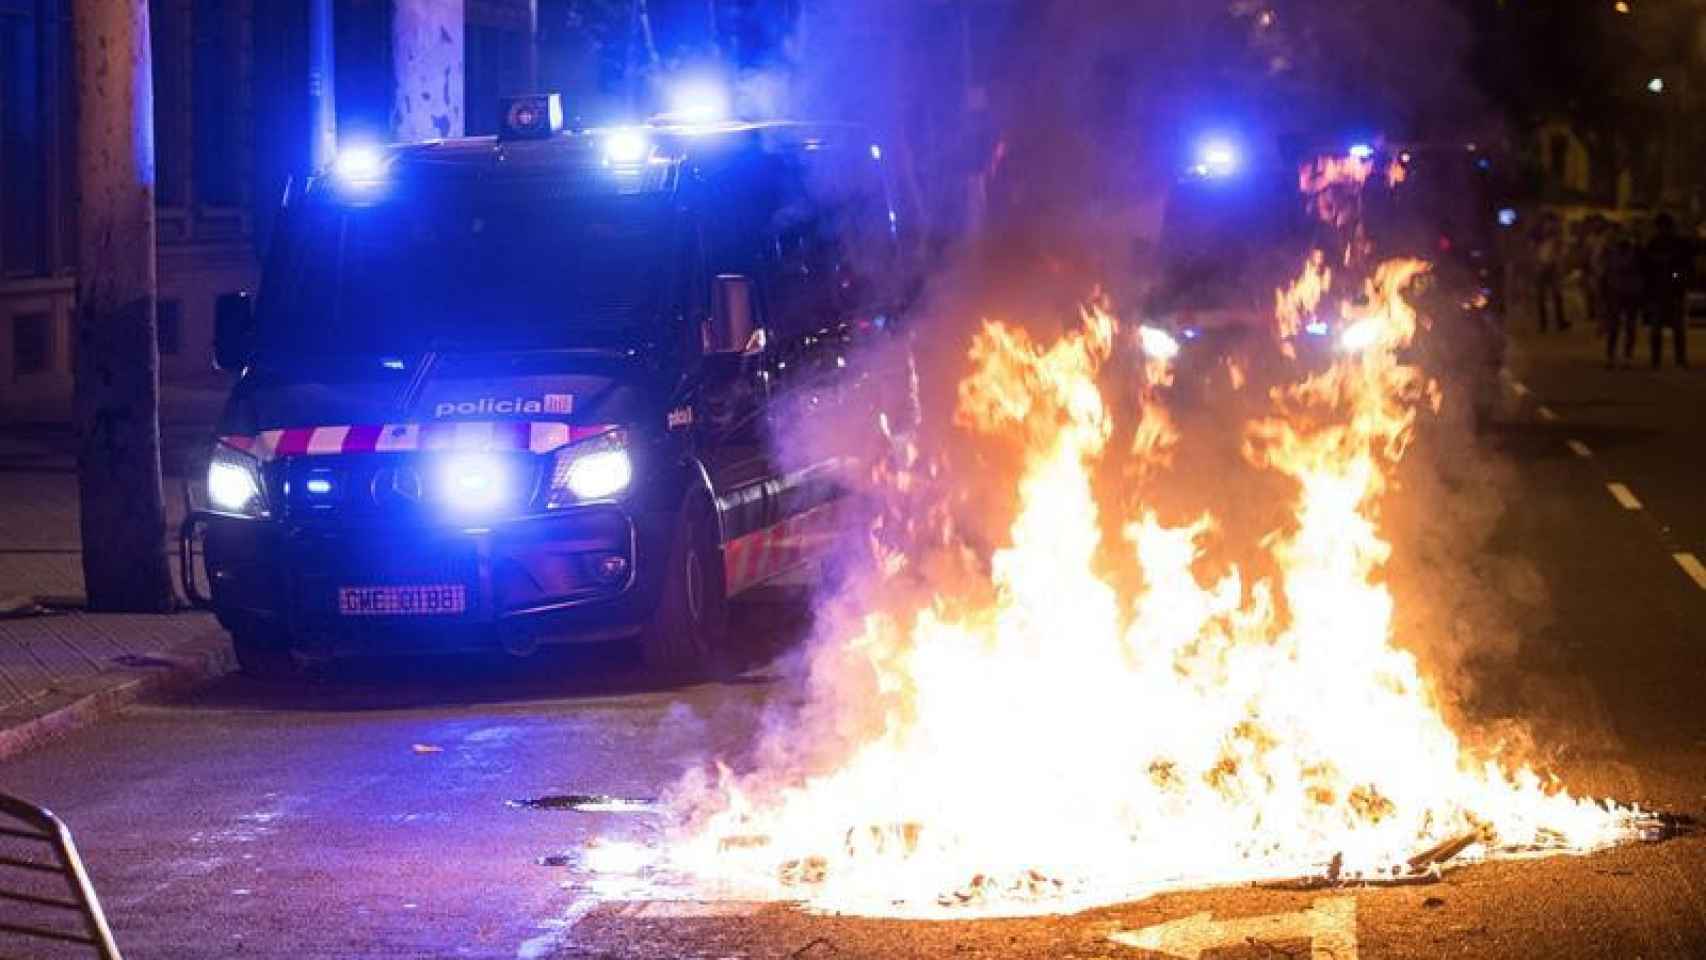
52 653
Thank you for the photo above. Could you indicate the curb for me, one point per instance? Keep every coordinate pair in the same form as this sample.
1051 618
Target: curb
88 700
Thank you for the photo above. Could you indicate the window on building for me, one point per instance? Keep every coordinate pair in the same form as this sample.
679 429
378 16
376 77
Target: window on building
168 327
171 100
217 106
22 243
32 344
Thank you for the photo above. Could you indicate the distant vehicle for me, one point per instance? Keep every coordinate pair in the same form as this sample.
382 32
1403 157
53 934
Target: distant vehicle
1447 211
1234 233
513 390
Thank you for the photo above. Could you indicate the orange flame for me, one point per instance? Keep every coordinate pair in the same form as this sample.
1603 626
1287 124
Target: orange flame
1050 744
1293 304
1039 739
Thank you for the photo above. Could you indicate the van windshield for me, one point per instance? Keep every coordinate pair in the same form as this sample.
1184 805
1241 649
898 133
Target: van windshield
408 275
1224 243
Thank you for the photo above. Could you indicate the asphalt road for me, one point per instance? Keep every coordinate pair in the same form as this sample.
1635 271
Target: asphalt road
367 814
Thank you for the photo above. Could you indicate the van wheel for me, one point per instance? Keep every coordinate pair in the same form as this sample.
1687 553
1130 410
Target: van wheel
685 633
263 654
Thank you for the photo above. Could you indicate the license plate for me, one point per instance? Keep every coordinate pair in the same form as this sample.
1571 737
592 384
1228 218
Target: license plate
431 600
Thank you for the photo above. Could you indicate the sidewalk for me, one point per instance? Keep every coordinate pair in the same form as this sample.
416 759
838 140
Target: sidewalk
60 667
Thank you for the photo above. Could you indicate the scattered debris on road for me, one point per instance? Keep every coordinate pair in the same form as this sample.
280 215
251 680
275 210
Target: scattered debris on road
18 607
1659 827
1440 853
811 949
585 803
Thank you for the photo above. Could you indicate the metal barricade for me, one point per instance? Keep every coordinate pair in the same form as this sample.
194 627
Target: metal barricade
32 908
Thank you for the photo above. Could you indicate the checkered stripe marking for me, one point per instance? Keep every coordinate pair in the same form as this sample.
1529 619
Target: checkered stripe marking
765 554
462 437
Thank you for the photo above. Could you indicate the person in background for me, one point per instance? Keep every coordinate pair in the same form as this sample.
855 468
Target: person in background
1668 272
1549 274
1621 295
1596 239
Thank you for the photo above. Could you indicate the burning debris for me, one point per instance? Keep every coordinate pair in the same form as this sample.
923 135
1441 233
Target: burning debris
1200 726
585 803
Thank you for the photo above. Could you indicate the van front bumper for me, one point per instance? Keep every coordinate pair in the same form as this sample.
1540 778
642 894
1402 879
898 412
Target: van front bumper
585 574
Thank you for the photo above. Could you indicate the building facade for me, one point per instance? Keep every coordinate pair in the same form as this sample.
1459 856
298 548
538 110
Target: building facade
231 128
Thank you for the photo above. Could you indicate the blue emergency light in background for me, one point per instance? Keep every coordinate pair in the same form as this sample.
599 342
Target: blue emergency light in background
1362 151
1217 158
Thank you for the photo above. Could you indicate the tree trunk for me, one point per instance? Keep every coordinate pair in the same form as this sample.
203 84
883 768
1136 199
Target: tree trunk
117 366
426 41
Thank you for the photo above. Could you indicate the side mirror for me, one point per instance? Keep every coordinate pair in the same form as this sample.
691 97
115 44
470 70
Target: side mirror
233 331
730 328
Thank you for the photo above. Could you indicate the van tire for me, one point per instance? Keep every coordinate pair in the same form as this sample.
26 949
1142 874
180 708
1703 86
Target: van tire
684 636
264 655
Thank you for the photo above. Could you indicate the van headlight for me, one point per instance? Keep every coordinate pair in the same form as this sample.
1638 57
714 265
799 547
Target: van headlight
1157 343
234 483
1360 335
596 469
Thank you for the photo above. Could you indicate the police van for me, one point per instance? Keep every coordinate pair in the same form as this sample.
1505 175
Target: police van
540 387
1234 230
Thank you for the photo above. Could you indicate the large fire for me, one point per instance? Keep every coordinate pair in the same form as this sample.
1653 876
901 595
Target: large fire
1051 740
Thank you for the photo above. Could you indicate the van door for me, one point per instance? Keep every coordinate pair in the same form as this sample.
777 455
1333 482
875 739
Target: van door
731 398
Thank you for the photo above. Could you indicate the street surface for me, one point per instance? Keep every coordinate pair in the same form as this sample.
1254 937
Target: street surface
366 814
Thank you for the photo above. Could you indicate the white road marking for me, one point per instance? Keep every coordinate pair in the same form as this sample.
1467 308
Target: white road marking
1547 414
1580 449
1692 566
556 930
1624 496
1330 926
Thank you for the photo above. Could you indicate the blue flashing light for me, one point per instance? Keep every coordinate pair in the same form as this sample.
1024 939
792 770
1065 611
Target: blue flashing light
318 486
1191 333
473 483
1362 151
1507 217
392 363
876 152
362 163
1216 158
1316 328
